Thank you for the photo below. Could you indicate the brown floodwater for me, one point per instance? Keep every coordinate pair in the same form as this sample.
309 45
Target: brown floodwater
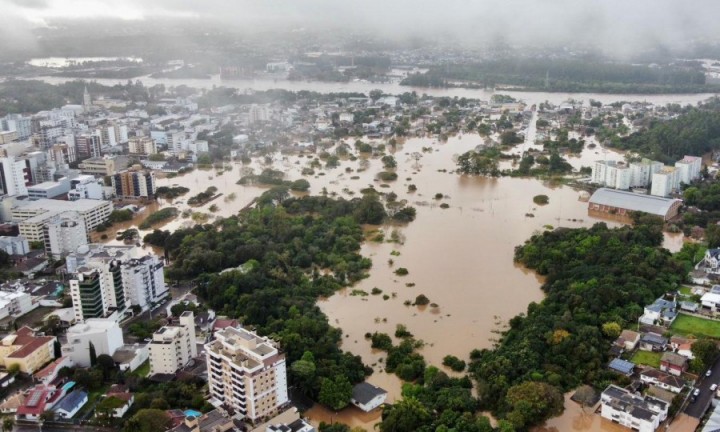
460 257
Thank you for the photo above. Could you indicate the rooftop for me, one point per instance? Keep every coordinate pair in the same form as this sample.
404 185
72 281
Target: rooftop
632 201
622 366
364 392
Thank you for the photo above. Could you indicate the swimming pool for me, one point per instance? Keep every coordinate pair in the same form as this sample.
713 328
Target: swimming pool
192 413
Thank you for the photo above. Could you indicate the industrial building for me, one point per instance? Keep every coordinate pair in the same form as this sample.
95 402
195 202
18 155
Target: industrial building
620 204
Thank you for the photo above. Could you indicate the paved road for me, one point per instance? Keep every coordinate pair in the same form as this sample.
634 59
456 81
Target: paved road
697 409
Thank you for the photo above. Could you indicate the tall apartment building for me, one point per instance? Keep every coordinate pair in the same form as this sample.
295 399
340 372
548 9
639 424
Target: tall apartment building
172 347
13 176
16 122
14 245
64 234
97 291
86 187
246 373
664 182
688 169
62 154
88 146
144 280
142 276
643 414
134 184
619 175
142 146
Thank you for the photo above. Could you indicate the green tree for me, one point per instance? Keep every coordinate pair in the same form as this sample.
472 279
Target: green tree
389 162
407 415
705 352
335 393
148 420
611 330
533 402
8 424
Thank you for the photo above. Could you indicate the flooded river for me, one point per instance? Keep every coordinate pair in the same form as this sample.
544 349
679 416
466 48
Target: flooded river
394 88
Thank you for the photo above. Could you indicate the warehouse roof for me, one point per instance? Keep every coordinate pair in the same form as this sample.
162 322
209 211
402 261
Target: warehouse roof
633 201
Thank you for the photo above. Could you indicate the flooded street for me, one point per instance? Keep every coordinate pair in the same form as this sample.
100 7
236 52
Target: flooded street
577 419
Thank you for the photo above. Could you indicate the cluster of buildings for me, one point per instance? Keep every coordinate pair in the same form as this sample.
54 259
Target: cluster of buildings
662 180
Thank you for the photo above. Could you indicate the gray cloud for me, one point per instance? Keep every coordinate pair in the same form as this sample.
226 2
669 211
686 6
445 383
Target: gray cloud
617 27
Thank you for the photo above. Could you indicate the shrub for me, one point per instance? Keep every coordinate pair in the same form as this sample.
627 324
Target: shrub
376 291
402 271
422 300
387 176
541 199
454 363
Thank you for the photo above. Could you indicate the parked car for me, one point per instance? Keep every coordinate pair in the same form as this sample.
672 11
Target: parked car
696 392
708 373
713 387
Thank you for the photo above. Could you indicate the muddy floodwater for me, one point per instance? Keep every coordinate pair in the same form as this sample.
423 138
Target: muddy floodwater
460 257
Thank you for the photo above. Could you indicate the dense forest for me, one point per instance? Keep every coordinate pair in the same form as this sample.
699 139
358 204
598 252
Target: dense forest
594 276
569 75
694 133
286 253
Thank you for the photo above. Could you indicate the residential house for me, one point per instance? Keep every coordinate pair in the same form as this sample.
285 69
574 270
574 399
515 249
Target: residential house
643 414
49 373
662 379
673 363
628 340
660 312
711 300
652 342
622 366
367 397
71 404
39 399
124 398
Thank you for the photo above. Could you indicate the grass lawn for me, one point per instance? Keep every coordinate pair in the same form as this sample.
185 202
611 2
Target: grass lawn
685 290
647 358
690 325
143 370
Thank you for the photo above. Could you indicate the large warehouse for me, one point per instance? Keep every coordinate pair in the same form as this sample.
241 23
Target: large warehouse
620 204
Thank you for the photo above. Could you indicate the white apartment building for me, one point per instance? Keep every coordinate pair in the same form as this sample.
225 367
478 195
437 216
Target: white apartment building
246 373
102 166
144 281
142 146
31 216
13 176
612 174
688 169
14 245
643 414
15 122
664 182
104 333
64 234
172 347
141 274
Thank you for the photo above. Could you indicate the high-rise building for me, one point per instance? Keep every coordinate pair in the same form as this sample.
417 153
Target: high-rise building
689 169
16 122
62 154
143 279
172 347
97 291
611 174
142 146
13 176
664 182
134 184
88 146
64 234
87 101
246 373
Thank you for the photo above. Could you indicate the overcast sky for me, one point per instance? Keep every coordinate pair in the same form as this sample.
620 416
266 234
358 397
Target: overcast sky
615 25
